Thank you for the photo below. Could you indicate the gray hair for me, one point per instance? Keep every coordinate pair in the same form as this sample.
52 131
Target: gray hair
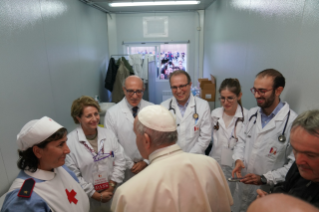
158 138
123 82
309 121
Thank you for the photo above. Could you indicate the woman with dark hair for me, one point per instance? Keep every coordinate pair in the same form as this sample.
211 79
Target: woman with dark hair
228 121
96 157
44 183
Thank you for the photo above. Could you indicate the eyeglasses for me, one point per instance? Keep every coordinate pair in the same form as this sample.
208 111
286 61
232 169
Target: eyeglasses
229 99
259 91
132 92
180 87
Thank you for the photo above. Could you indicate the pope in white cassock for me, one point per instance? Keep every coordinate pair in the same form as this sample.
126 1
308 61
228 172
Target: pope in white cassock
174 180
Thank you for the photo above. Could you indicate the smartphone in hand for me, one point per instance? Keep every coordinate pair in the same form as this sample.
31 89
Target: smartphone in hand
235 179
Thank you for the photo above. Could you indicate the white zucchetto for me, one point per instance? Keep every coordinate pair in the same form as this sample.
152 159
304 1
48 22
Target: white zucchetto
36 131
158 118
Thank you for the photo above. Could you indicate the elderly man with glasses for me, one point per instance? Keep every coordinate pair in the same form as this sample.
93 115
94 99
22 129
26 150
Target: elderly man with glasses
263 154
192 114
120 119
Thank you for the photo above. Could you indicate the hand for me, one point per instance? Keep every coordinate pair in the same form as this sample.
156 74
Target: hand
139 166
238 167
252 179
111 188
106 196
261 193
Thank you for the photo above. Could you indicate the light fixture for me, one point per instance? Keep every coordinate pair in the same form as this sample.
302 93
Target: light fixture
152 3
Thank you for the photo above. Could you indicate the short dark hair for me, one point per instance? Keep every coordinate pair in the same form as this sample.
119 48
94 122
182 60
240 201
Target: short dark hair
28 160
279 79
179 72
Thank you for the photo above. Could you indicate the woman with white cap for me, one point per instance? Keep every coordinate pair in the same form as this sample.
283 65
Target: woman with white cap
96 157
44 183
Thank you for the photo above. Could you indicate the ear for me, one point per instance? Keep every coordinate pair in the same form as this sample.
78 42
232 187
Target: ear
147 141
190 84
279 90
124 90
79 120
239 96
38 152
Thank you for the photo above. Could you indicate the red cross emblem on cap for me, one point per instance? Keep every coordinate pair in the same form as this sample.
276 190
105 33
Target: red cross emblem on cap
71 196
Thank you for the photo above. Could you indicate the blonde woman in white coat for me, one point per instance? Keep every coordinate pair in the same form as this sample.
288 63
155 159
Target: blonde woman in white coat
96 157
227 122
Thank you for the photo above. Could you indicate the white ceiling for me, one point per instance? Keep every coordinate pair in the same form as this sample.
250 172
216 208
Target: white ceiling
104 4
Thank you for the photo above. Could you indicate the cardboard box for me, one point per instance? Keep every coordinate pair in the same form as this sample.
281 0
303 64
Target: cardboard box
208 88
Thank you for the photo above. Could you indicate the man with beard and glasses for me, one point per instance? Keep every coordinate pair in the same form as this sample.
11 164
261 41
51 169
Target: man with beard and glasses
263 154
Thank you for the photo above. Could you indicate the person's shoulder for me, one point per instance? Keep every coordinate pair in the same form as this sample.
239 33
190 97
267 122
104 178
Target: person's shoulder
166 102
71 173
72 137
253 110
13 203
200 158
217 111
201 102
145 103
115 108
107 133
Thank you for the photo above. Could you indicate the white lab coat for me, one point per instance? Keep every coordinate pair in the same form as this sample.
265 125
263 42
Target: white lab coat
119 118
81 162
222 138
188 139
262 153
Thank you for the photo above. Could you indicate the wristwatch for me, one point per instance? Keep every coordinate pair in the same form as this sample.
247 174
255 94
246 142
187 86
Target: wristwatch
263 179
112 184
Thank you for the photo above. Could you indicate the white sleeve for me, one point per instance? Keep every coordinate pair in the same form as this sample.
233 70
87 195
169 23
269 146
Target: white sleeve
71 164
119 162
109 124
205 132
239 148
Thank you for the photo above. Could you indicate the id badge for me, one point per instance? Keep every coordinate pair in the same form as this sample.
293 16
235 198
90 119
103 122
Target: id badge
226 158
100 181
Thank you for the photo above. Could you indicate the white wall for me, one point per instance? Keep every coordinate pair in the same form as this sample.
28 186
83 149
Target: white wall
243 37
51 53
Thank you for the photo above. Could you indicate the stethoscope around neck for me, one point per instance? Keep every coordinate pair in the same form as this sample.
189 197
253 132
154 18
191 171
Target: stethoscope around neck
282 137
216 127
195 115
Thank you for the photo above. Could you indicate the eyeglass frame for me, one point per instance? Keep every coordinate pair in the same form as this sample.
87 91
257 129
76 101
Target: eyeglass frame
180 87
132 92
226 98
261 93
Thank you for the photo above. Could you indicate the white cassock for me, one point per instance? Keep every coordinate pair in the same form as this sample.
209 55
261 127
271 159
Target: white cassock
175 181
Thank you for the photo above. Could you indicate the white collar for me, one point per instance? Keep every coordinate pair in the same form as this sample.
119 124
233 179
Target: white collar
42 174
163 151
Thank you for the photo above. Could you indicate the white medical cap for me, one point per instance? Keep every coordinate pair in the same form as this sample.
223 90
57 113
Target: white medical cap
158 118
36 131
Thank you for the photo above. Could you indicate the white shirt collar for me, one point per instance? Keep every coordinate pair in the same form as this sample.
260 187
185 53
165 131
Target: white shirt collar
42 174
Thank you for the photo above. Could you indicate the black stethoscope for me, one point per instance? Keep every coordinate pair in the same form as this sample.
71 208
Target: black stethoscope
195 115
282 137
216 127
